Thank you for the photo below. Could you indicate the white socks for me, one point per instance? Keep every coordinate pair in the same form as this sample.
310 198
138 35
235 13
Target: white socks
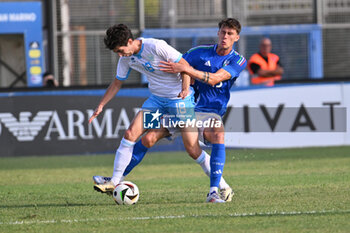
124 154
204 161
122 159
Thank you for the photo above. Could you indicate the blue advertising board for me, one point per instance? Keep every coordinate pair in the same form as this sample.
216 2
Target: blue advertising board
25 18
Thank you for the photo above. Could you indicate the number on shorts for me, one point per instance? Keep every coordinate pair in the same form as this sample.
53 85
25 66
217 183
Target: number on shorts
181 108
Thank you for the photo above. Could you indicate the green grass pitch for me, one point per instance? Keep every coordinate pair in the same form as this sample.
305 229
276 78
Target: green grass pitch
281 190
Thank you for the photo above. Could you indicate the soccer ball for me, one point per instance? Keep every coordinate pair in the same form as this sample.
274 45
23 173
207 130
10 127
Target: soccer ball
126 193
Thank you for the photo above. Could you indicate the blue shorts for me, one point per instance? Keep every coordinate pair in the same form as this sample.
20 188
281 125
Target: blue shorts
182 109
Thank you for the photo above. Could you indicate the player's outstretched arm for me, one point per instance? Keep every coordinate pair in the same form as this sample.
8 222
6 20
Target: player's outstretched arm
206 77
112 90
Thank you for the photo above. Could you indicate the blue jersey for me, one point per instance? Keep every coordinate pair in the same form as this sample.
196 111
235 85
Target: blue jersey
204 58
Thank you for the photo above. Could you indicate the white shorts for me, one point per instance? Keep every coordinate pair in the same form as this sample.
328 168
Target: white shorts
200 116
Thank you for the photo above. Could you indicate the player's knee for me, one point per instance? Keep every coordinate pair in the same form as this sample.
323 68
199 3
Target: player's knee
216 137
148 140
194 151
219 137
129 135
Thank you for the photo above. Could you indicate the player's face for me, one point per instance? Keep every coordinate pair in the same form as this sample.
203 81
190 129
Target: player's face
227 37
125 51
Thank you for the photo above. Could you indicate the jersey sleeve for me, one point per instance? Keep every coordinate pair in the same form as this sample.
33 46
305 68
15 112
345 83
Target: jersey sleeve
236 66
167 52
123 69
188 57
191 56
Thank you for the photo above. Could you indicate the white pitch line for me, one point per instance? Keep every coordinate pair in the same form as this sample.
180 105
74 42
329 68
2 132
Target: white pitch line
273 213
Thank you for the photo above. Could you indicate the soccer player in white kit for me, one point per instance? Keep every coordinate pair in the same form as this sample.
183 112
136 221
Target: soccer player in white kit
168 92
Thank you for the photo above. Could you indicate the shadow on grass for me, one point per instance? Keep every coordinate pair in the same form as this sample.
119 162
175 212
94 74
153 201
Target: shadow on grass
54 205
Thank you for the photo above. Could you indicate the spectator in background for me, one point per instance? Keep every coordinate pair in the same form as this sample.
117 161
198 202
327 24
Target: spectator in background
49 80
265 67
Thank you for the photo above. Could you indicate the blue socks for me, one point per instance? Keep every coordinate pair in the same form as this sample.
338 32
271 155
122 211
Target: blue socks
217 162
137 155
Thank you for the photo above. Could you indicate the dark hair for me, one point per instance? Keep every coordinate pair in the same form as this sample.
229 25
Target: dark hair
231 23
117 35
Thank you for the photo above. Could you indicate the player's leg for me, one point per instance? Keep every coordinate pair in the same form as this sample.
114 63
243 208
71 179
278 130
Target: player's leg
125 150
124 153
141 147
216 135
155 104
184 110
190 140
205 136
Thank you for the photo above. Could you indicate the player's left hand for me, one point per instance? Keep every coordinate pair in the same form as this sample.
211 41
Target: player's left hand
184 93
171 67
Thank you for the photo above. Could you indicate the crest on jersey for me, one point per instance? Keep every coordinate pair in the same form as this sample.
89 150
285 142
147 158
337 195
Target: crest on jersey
226 62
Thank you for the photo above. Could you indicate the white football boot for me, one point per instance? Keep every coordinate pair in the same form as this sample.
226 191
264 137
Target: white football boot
107 188
214 198
101 179
227 194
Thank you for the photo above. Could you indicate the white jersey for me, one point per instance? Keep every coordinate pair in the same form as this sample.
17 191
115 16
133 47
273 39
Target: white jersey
146 62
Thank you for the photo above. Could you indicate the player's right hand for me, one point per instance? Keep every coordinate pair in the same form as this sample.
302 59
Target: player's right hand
171 67
97 111
184 93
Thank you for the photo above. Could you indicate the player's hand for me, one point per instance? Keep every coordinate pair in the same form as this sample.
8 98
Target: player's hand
184 93
171 67
97 111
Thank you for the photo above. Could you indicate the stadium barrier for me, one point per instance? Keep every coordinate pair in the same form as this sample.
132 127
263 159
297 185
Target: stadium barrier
56 122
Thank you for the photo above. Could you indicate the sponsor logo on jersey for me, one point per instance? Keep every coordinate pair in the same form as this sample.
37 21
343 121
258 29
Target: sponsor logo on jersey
148 66
207 63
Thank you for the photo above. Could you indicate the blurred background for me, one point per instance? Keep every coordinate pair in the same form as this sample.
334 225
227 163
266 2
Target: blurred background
310 36
59 43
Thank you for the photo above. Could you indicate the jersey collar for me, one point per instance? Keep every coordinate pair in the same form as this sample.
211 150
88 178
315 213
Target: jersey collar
138 55
232 51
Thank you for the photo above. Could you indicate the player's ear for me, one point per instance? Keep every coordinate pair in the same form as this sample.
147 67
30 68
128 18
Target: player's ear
237 38
218 32
130 41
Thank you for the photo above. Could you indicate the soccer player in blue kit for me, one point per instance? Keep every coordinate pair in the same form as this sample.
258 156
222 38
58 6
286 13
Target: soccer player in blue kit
215 68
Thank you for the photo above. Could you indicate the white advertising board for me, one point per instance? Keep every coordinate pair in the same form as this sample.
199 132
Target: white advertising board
289 116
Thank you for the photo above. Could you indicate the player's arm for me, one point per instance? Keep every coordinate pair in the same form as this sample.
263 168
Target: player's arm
186 81
206 77
112 90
